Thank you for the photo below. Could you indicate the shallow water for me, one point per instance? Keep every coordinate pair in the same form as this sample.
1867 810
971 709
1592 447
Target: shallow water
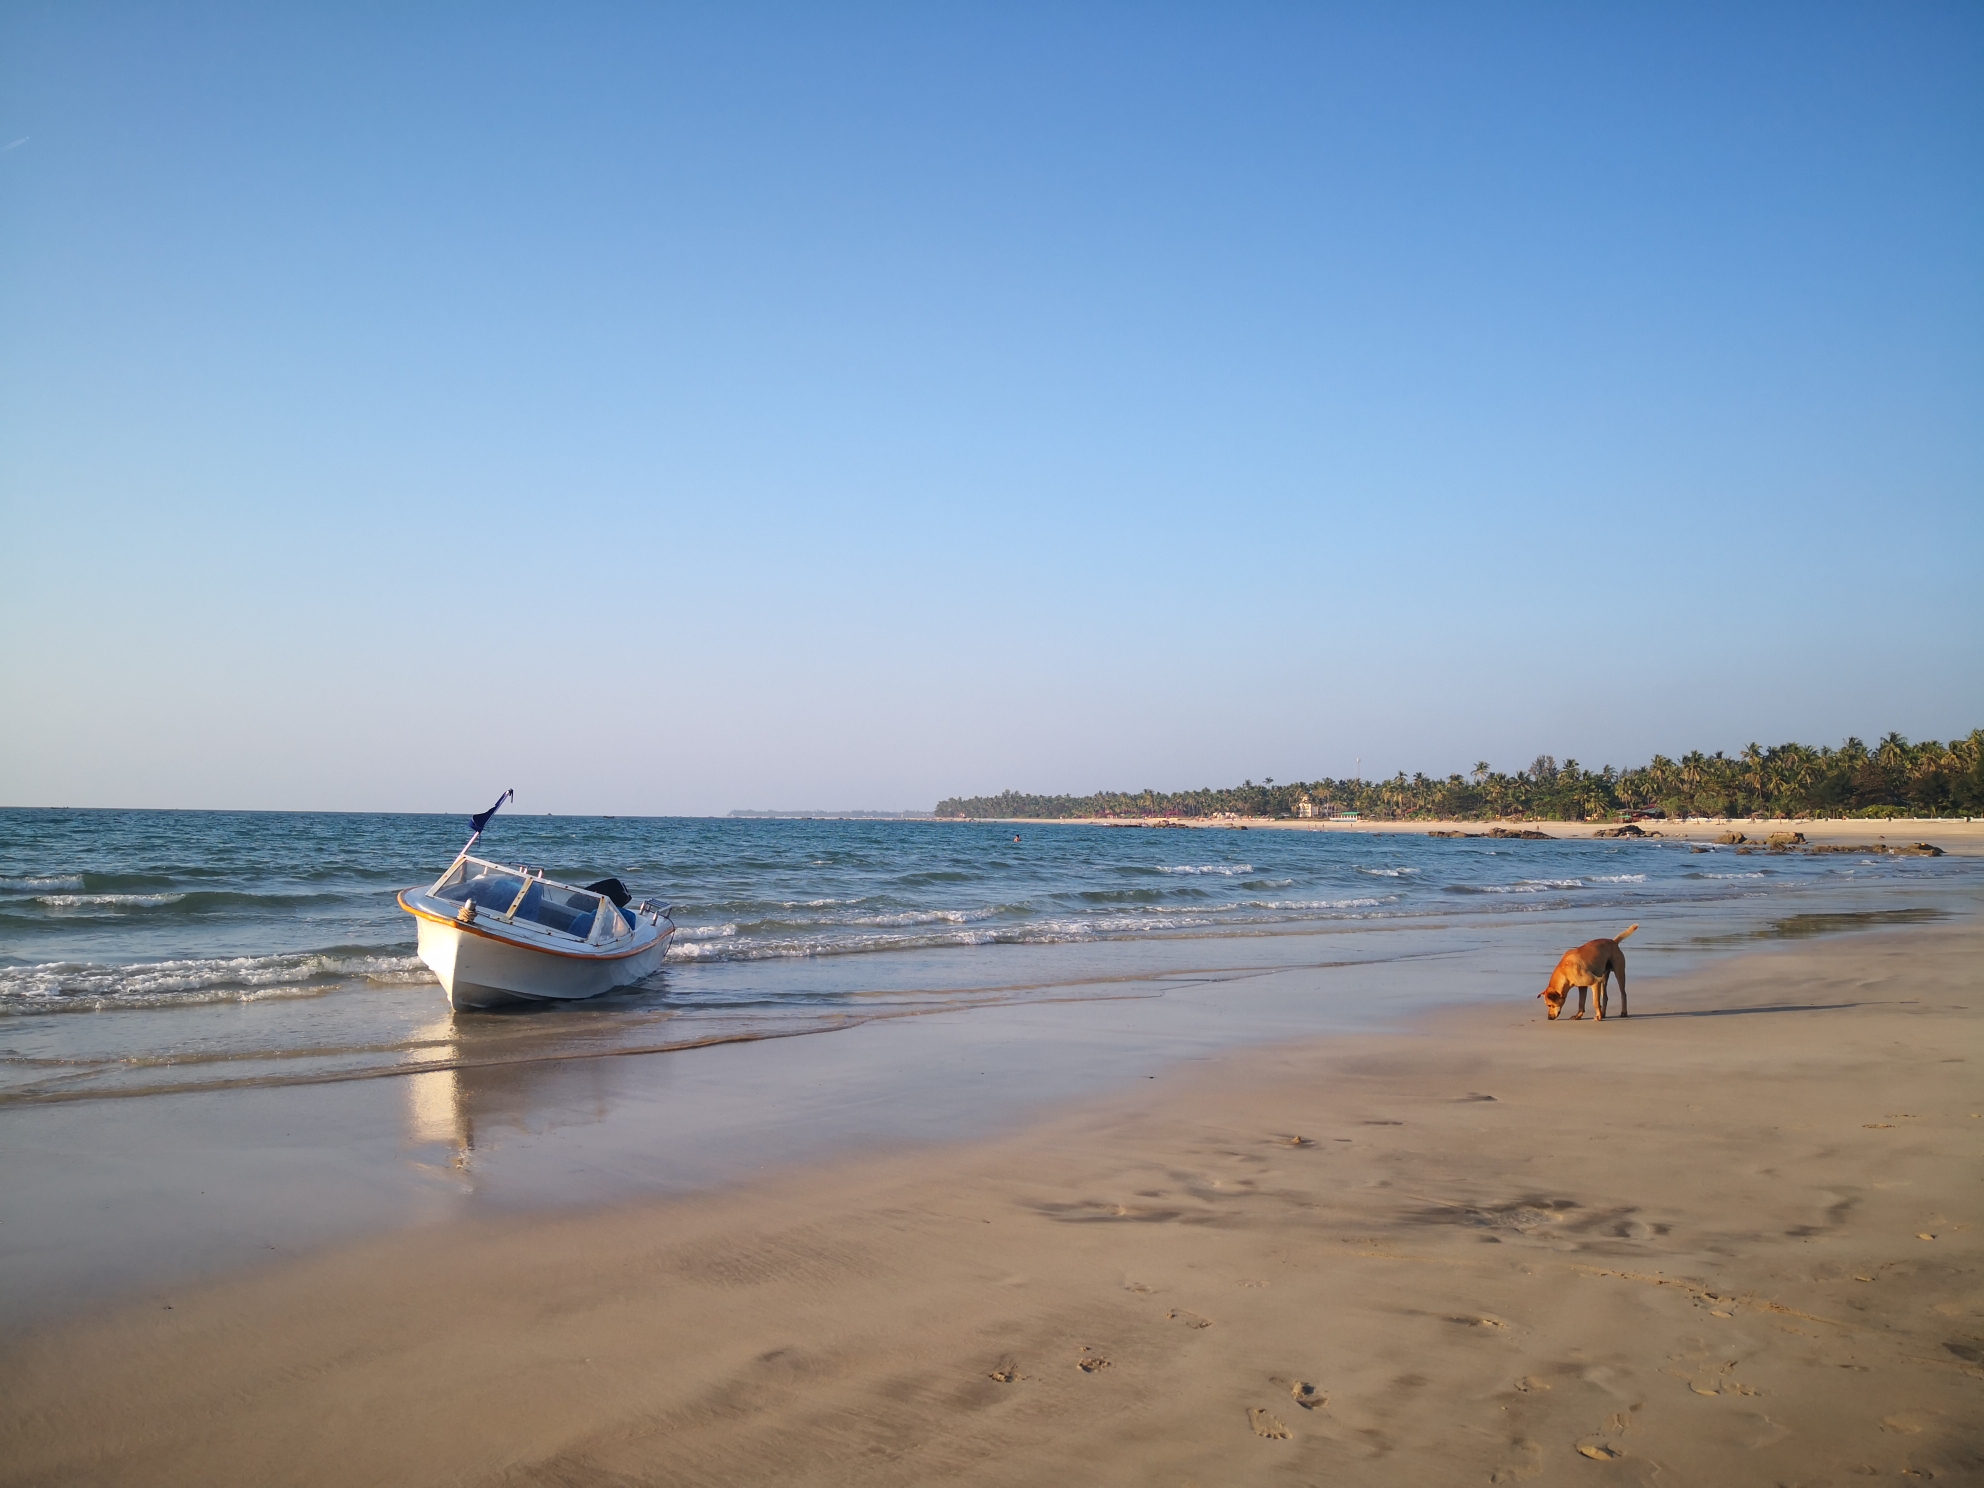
151 952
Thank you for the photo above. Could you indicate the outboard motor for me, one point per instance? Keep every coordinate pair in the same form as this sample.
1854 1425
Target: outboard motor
613 889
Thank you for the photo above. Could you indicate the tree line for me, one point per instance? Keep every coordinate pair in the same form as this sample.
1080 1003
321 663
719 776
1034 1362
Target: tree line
1887 779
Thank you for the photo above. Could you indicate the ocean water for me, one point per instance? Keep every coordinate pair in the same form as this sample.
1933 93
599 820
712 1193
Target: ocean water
150 951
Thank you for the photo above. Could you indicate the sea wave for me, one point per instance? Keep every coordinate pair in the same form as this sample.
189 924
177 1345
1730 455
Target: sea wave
1301 905
188 903
1223 870
1521 886
106 901
704 932
65 986
962 930
12 884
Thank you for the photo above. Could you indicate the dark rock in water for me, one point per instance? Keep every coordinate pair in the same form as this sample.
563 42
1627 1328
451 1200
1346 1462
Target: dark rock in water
1786 839
1507 833
1912 850
1730 839
1694 849
1628 830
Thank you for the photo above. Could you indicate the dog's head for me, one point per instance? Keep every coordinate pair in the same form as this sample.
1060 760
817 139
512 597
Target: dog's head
1553 995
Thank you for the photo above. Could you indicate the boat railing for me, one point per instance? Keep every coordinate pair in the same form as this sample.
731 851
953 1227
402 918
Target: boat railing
504 891
516 894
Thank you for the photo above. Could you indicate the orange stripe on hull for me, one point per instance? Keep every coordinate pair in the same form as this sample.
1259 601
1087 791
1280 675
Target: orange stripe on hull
522 945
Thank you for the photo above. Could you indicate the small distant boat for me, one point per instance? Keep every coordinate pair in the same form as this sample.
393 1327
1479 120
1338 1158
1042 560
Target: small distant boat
499 934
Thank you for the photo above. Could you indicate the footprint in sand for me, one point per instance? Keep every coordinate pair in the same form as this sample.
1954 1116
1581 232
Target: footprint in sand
1091 1362
1597 1447
1266 1425
1307 1395
1006 1374
1527 1463
1189 1319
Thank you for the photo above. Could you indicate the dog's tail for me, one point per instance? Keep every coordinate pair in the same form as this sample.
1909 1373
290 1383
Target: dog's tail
1625 932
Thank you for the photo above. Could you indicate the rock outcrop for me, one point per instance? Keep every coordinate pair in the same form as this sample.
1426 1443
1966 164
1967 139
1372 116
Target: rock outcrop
1911 850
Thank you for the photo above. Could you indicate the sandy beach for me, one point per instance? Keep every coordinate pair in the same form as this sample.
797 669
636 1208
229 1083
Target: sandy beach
1732 1239
1952 835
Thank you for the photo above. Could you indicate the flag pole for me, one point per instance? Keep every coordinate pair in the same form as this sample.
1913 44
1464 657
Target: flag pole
479 820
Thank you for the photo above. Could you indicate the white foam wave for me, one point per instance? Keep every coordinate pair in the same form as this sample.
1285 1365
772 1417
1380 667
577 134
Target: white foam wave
705 932
105 901
1224 870
1312 904
923 917
1618 878
946 929
1389 872
53 985
60 881
1527 886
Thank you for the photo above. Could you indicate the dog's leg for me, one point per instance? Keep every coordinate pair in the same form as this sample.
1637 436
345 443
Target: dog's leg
1620 972
1580 1012
1598 996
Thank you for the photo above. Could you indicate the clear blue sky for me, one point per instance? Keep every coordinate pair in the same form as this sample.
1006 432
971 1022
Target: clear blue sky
672 410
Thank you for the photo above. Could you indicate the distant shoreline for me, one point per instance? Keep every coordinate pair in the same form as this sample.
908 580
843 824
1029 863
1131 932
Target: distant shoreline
1951 834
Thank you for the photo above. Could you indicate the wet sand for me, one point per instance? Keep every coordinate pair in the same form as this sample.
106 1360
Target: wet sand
1733 1239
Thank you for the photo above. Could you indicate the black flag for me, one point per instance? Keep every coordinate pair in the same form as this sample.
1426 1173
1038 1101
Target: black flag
481 818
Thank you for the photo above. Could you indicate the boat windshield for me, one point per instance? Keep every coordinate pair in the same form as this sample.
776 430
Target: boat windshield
494 889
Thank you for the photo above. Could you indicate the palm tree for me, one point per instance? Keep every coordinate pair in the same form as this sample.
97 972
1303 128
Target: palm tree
1694 774
1753 761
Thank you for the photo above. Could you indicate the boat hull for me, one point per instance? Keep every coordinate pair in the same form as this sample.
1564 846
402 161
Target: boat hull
480 970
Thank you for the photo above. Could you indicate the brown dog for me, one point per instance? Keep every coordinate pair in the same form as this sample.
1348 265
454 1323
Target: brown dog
1588 966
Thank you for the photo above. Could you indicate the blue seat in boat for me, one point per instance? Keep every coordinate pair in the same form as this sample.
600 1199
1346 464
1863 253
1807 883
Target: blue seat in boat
489 893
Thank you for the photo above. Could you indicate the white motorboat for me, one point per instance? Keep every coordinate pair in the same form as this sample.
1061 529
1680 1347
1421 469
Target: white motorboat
496 933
